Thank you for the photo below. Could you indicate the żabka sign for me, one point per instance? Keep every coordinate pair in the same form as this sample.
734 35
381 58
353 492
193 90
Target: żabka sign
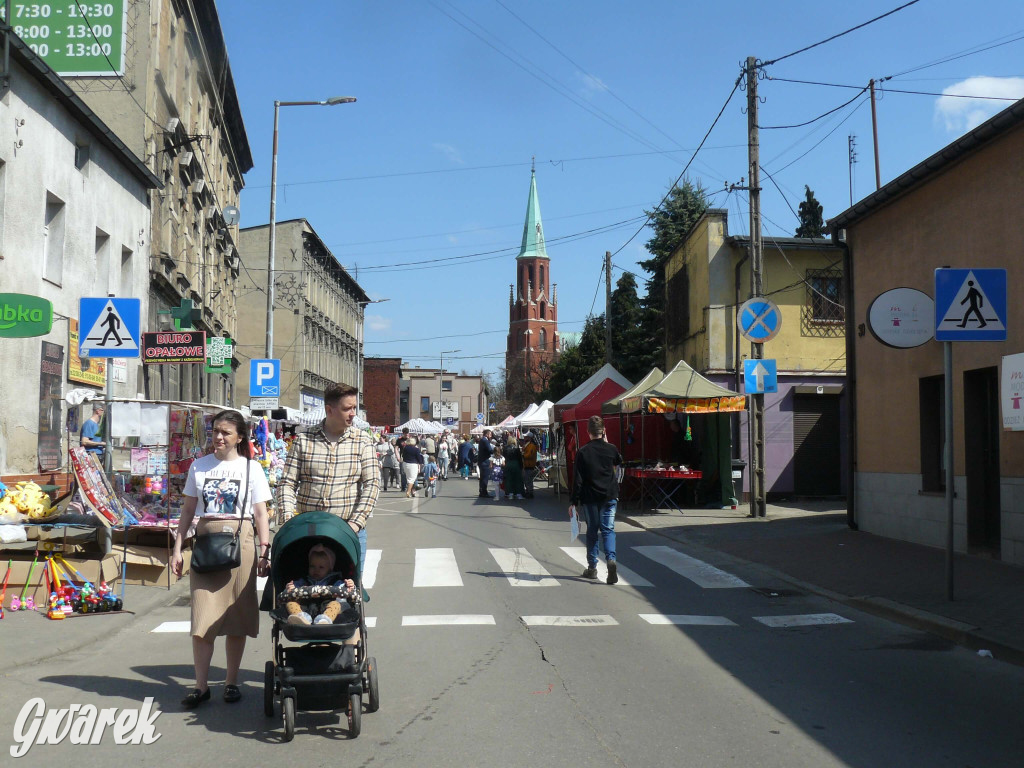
22 316
176 347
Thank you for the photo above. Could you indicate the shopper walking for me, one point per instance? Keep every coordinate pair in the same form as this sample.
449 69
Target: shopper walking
529 449
484 449
465 451
333 467
412 461
513 470
390 462
221 488
442 458
595 491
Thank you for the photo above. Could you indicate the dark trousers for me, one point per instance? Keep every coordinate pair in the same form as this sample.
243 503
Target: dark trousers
485 476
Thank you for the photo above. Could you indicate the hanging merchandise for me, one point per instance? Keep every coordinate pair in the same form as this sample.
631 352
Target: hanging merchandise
689 432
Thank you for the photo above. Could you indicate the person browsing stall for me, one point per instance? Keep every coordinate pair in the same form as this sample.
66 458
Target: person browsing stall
90 431
220 488
333 467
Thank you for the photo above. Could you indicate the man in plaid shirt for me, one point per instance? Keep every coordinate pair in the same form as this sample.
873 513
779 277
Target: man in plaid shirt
333 467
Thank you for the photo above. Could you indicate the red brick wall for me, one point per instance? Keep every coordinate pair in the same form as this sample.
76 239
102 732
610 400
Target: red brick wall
380 384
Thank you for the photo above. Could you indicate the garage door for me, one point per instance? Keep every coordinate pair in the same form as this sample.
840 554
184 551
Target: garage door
816 460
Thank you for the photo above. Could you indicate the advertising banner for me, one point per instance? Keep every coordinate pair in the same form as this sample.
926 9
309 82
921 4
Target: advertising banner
74 38
51 381
22 316
176 347
91 371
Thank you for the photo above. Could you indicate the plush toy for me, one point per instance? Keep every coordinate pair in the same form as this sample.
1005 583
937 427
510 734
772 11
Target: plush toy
262 434
28 499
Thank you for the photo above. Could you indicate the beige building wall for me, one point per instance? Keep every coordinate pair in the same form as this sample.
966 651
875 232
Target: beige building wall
468 391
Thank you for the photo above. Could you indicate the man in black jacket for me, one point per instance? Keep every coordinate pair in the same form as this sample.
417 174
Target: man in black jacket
595 492
484 449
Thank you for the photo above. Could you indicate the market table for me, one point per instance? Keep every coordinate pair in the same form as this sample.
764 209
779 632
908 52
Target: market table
664 484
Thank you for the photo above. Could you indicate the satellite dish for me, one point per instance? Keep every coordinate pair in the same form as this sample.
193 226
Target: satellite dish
231 215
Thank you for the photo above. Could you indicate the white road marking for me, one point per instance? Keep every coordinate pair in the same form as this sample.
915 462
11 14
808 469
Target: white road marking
627 577
681 619
600 620
173 626
436 568
700 573
447 619
415 504
522 569
370 567
261 582
371 621
804 620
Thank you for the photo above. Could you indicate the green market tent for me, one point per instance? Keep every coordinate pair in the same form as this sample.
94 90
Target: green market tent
647 382
683 390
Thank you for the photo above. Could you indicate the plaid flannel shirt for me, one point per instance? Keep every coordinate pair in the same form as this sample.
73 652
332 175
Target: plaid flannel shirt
341 477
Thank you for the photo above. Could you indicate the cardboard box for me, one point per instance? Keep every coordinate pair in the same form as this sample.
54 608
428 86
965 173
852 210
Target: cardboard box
94 569
149 566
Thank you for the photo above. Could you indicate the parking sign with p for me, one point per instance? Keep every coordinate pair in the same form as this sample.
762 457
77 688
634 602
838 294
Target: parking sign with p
264 378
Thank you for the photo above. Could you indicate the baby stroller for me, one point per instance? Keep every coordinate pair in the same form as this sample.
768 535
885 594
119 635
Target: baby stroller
323 673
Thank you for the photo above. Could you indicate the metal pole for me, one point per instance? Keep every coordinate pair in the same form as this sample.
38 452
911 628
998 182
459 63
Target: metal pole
947 365
608 306
874 133
757 437
273 240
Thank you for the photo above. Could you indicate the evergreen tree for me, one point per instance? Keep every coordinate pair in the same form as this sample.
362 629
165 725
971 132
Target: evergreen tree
626 317
578 361
811 222
671 223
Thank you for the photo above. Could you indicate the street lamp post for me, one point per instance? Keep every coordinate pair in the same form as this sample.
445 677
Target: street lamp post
273 207
440 383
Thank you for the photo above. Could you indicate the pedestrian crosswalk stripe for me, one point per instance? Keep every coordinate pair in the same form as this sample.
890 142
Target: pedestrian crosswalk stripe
522 569
436 568
261 582
371 621
370 567
601 620
700 573
447 619
627 578
679 619
804 620
173 626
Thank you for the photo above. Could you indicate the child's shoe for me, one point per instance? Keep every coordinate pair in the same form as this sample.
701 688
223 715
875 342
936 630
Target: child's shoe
323 618
302 618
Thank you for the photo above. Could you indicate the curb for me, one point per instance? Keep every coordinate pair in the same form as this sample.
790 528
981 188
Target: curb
964 635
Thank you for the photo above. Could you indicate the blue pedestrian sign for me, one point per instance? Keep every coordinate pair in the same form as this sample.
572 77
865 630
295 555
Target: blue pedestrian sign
759 320
970 305
264 378
109 327
760 376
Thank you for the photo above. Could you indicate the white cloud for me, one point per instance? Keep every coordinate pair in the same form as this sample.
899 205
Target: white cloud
591 84
449 152
962 115
378 323
453 239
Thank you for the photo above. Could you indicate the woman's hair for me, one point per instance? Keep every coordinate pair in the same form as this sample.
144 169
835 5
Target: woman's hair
236 419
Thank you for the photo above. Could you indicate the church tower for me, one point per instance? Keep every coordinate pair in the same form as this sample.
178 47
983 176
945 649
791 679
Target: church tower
533 307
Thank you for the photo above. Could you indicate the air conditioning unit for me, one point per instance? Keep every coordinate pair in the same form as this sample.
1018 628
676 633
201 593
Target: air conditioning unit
185 158
198 186
172 125
210 211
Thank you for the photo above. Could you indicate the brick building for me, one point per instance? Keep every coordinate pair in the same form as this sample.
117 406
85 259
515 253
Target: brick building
381 389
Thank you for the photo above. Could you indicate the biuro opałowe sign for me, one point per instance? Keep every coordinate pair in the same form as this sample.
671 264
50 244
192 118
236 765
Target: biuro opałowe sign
22 316
175 347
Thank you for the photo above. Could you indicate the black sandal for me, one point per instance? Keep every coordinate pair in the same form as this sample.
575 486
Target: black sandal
231 693
195 698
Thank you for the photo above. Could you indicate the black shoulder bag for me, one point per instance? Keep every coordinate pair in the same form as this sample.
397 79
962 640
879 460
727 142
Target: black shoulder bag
222 551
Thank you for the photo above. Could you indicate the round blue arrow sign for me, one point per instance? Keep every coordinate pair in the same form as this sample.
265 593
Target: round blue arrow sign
759 320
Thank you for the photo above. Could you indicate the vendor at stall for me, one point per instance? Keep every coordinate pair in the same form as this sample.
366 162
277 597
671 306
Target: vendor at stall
90 430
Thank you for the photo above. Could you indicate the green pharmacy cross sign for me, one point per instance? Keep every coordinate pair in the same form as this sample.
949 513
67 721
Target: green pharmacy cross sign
22 316
75 37
219 351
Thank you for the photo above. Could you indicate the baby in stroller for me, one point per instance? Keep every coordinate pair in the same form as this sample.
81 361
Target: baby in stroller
318 608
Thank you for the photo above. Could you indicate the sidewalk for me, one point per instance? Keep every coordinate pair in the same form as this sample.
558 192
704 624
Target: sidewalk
812 547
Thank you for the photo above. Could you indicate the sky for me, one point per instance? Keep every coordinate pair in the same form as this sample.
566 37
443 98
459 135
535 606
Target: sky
420 187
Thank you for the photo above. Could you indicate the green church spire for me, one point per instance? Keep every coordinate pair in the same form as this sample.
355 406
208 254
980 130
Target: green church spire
533 230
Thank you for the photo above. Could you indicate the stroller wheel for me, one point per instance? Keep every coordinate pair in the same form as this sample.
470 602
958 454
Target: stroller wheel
288 713
355 714
269 683
373 704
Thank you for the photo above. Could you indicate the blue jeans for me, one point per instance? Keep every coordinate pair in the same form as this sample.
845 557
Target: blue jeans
485 476
362 549
600 518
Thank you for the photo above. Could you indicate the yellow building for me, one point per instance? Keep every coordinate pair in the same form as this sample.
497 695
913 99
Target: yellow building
707 279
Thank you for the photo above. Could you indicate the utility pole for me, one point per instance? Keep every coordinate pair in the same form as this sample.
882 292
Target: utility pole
852 141
608 306
874 133
756 418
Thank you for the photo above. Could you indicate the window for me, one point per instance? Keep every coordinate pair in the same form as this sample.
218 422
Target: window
53 240
103 259
931 396
543 344
540 285
677 305
126 274
824 309
543 311
424 404
446 386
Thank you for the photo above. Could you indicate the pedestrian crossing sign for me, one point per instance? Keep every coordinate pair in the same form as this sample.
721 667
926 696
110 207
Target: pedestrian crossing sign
970 305
113 327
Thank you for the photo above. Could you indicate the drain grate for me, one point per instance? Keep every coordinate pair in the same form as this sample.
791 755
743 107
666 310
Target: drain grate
769 592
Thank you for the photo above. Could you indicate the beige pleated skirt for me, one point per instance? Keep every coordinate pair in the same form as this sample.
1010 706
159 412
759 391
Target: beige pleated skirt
225 602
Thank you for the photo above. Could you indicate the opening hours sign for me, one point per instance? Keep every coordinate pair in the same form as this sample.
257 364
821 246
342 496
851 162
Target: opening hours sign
75 37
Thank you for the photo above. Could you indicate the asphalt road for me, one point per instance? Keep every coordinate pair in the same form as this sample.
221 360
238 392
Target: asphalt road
493 652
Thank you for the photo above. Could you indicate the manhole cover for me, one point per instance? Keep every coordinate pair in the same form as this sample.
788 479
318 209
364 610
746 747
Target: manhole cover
769 592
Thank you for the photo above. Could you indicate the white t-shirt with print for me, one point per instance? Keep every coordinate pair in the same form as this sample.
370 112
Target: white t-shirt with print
217 484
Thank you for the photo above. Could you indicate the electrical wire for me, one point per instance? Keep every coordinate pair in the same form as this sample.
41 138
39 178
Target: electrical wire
820 142
840 34
819 117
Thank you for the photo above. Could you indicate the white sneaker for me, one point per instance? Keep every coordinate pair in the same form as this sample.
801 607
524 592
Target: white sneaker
519 496
322 619
300 618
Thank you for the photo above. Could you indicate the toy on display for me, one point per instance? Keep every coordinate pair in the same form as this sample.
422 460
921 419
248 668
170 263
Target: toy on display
4 595
274 456
26 499
98 492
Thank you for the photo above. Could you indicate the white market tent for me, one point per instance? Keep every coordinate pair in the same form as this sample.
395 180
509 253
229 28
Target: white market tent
539 418
530 409
314 416
478 429
421 427
508 423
